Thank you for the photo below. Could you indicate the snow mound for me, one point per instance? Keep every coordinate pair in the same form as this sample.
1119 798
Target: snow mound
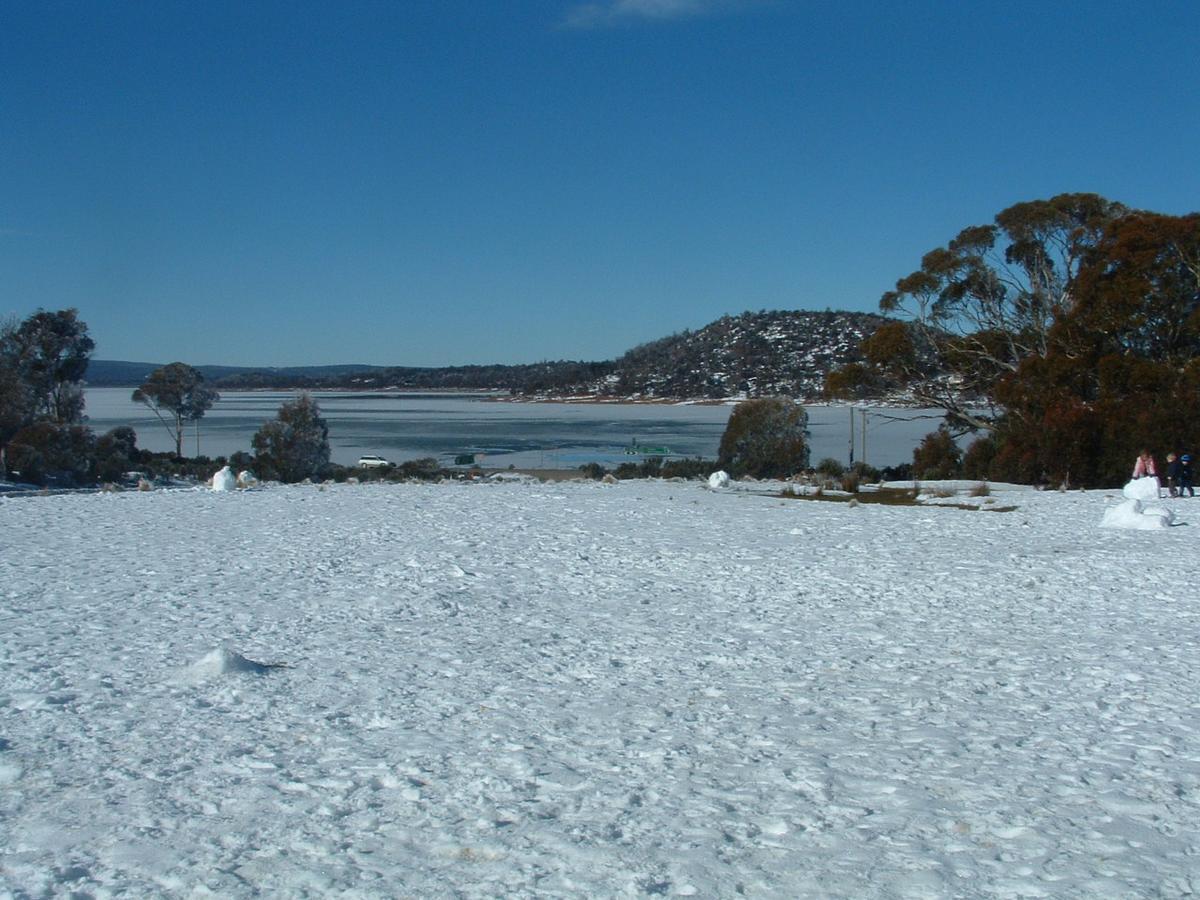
1132 514
223 661
719 481
1141 489
246 479
224 480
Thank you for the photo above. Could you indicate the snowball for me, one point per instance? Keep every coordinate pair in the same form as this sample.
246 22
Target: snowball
224 480
1132 514
718 481
1141 489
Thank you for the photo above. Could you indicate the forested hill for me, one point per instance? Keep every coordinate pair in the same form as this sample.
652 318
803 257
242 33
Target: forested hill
756 354
752 354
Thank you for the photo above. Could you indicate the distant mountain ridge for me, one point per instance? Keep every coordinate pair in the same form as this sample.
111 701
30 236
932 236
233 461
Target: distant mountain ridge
122 373
752 354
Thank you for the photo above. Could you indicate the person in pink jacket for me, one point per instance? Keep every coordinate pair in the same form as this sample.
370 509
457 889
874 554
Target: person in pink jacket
1144 467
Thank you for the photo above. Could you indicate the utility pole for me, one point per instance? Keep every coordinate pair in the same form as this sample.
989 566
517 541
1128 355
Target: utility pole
851 435
864 435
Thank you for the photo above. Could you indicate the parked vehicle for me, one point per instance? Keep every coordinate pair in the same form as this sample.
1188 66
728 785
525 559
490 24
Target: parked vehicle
372 462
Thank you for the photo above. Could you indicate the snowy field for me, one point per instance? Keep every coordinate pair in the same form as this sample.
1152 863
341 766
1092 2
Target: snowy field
581 690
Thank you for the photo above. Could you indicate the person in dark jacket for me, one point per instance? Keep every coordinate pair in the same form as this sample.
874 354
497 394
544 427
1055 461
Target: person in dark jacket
1185 475
1172 475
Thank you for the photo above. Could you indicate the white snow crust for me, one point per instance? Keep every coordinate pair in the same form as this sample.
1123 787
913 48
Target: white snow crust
528 690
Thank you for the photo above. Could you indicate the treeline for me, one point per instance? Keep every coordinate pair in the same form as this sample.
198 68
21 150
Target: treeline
548 377
44 440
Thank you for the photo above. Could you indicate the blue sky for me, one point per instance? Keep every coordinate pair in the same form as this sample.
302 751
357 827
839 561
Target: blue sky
435 183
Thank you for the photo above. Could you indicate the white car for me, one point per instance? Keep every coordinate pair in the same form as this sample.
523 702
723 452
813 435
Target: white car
372 462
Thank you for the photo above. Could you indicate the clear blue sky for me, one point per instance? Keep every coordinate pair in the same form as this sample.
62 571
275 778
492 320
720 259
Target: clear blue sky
472 181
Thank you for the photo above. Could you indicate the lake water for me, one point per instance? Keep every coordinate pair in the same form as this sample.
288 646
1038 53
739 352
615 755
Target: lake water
402 426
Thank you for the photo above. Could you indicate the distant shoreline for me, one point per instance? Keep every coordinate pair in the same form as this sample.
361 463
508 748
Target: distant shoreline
498 396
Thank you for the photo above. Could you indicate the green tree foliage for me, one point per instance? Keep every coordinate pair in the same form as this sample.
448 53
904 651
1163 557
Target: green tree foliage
988 300
937 456
765 438
176 394
42 360
831 467
294 445
48 451
49 354
116 451
1123 366
15 406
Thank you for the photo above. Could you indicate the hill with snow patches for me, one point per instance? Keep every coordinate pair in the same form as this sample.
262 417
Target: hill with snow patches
586 690
749 355
753 355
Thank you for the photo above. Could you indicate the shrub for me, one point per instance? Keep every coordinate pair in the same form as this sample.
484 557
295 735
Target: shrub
937 456
47 453
628 470
765 438
294 445
116 451
688 468
850 482
977 461
865 472
241 461
424 469
831 467
168 465
592 470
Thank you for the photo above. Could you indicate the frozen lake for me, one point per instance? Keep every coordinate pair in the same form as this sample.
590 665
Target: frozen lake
403 426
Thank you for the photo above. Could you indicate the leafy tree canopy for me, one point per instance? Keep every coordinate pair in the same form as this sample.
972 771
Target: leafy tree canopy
176 394
765 438
47 356
294 445
989 299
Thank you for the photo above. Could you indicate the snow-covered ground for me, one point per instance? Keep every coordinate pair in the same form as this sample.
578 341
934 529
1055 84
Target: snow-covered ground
570 690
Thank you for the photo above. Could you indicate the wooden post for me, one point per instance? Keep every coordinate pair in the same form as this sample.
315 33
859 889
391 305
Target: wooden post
851 435
864 435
